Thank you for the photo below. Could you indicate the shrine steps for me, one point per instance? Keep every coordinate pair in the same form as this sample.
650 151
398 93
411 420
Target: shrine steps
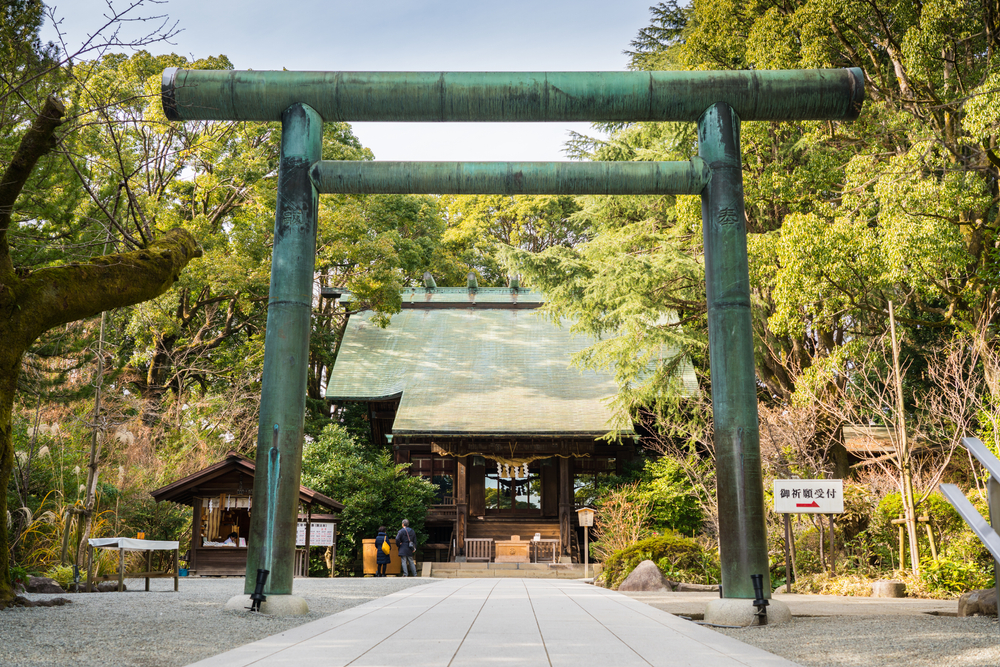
509 570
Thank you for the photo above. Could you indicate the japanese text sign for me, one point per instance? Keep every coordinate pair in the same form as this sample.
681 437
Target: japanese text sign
809 496
321 535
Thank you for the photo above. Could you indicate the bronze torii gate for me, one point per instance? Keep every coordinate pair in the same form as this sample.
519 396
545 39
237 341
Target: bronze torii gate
717 101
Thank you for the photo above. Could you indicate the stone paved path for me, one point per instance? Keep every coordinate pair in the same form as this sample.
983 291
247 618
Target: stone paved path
523 622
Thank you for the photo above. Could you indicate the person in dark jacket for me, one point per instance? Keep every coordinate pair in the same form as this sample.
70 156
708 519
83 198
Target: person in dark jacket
381 559
406 540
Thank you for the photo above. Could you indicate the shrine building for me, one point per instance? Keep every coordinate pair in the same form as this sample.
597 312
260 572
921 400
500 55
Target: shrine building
476 391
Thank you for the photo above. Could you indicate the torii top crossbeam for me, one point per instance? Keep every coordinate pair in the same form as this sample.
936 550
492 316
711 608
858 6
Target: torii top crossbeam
807 94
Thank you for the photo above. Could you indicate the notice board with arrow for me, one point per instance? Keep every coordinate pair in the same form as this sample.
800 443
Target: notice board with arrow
809 496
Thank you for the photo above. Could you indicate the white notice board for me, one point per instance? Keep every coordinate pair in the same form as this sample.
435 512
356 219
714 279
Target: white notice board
321 535
809 496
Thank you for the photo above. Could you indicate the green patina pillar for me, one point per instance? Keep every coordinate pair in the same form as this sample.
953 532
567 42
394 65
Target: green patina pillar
286 356
742 535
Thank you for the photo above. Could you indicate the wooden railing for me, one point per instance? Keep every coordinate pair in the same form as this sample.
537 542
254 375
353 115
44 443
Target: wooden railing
479 549
545 551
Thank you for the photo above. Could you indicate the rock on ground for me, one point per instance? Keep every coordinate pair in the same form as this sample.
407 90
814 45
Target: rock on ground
978 603
43 585
681 587
645 577
109 587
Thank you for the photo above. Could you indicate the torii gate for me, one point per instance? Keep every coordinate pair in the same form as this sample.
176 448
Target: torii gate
717 101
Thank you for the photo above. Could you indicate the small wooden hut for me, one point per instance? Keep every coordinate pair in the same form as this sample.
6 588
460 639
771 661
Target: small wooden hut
221 498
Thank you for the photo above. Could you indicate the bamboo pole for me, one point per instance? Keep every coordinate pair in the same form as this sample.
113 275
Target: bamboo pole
903 451
95 444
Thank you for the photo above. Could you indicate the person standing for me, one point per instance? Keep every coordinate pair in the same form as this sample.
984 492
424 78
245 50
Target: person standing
381 558
406 540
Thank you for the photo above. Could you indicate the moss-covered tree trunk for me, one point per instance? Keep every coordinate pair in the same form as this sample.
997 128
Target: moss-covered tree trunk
34 302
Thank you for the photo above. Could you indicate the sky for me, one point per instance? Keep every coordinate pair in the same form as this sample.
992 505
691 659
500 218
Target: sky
400 35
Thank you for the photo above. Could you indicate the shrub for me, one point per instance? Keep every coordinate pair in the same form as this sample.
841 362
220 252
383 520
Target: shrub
945 522
955 541
859 503
955 576
621 521
674 505
18 574
679 558
807 549
62 575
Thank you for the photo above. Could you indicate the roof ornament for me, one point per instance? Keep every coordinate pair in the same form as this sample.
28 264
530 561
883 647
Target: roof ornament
514 281
429 280
473 283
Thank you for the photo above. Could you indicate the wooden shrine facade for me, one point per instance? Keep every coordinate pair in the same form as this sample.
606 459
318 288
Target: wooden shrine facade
483 495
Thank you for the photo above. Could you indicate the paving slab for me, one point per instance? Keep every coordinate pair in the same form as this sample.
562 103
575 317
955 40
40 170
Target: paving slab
500 621
693 604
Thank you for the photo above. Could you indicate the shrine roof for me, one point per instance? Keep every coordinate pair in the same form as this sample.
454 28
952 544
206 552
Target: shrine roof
478 371
186 489
462 297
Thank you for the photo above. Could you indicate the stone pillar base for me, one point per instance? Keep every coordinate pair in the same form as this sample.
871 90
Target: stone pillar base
889 588
274 605
740 611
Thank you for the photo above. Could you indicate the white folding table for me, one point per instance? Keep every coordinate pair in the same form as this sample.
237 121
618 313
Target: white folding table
123 544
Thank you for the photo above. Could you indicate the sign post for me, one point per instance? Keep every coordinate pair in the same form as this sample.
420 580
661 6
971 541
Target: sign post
586 518
807 496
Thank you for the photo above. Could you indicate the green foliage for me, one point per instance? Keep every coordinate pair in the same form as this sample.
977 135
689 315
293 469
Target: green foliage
936 506
671 497
859 502
593 489
18 574
841 216
478 225
62 574
807 549
678 557
952 575
652 46
160 521
630 287
374 490
945 521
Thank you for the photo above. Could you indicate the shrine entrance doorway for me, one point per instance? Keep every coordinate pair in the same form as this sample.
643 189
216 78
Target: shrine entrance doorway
514 490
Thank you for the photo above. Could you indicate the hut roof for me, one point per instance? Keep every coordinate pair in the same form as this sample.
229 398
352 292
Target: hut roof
184 490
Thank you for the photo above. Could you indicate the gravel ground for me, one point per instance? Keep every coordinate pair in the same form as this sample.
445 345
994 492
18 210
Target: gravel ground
880 641
163 628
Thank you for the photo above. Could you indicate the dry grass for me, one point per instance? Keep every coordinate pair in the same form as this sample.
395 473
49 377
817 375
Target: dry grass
856 585
622 521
